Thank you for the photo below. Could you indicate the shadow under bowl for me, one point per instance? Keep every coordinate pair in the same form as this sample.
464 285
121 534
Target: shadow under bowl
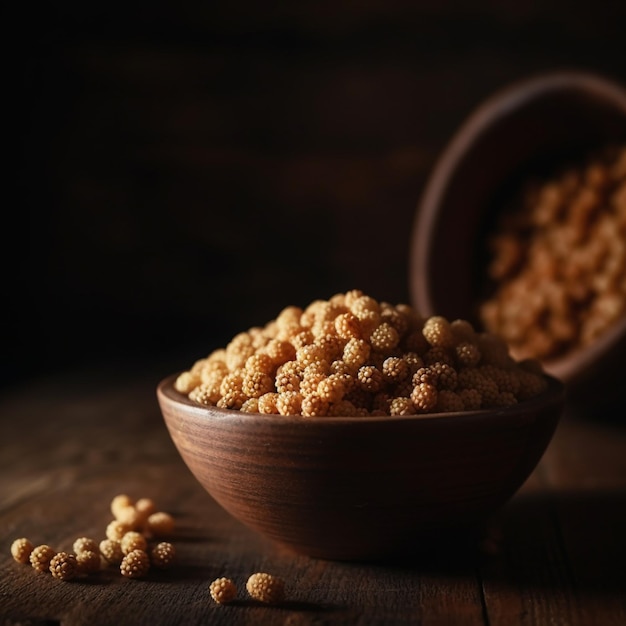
367 488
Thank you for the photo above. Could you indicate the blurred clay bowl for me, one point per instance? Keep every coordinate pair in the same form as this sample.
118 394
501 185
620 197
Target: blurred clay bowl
360 488
531 124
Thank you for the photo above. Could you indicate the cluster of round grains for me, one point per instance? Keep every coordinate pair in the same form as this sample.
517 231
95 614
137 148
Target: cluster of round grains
558 260
89 561
160 524
223 590
41 556
261 586
135 564
85 544
21 549
111 550
115 530
133 540
353 356
129 544
266 588
162 555
64 566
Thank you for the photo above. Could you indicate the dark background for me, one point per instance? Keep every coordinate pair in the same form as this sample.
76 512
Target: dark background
180 174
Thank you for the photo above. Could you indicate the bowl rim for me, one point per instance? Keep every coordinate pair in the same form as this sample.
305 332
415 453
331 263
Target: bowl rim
554 395
512 97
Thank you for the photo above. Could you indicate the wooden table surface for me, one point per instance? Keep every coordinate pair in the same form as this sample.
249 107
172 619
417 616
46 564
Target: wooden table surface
556 554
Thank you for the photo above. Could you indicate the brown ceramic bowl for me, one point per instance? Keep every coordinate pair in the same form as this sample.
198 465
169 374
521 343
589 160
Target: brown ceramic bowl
360 488
528 126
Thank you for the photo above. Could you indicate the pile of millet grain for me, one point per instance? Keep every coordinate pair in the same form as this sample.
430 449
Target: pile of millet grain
134 544
558 259
354 356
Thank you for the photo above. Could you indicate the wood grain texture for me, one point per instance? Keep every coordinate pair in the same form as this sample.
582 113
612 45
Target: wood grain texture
554 554
345 488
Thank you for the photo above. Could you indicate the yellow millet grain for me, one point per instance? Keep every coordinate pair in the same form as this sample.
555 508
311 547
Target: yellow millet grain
64 566
341 355
280 351
260 362
356 352
347 326
343 408
89 561
21 549
333 388
437 332
424 397
449 401
133 540
131 517
160 524
384 337
231 400
414 361
250 406
186 382
467 354
84 544
314 406
332 346
207 393
556 253
437 354
445 375
238 351
213 370
256 383
267 404
266 588
111 550
402 406
119 502
425 375
289 403
40 557
162 555
288 377
393 316
370 378
395 370
145 506
310 354
115 530
135 564
223 590
311 380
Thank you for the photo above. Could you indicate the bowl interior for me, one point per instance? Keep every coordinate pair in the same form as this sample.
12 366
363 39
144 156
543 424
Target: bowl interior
360 488
522 130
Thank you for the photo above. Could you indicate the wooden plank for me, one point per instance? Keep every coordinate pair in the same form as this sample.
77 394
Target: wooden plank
209 544
58 483
555 558
561 548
